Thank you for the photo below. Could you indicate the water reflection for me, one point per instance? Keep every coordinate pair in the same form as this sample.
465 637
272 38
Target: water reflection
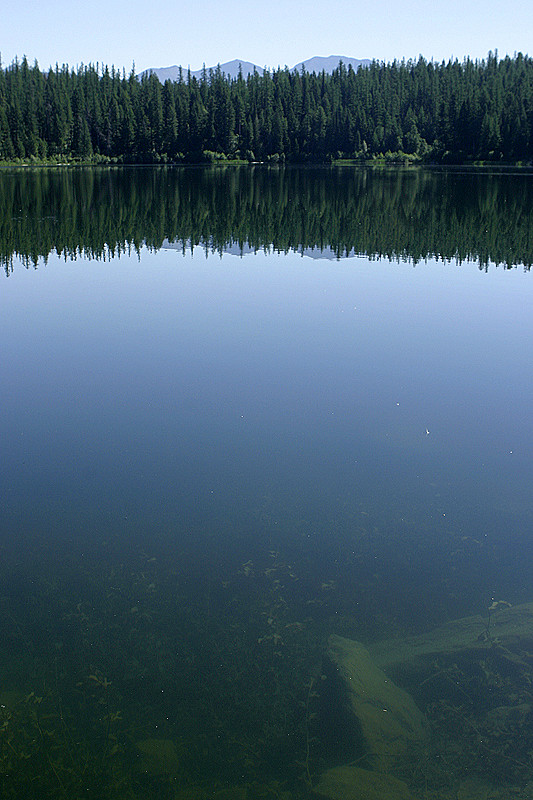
400 214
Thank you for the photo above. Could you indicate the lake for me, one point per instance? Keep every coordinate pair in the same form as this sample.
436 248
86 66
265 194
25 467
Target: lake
244 410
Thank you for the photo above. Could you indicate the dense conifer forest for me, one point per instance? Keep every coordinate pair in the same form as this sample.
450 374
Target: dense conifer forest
451 112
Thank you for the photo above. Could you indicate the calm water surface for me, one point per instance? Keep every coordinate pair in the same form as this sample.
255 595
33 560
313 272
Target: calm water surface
243 410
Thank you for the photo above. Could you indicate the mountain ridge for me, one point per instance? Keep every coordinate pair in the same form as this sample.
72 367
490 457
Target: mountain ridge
231 68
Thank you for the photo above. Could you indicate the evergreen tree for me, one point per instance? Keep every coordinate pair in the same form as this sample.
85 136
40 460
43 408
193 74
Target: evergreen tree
451 111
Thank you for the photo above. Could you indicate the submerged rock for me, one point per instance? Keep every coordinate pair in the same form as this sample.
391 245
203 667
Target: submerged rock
502 625
159 757
354 783
390 720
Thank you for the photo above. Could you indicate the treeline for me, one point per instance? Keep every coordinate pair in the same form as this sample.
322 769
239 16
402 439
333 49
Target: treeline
398 214
447 112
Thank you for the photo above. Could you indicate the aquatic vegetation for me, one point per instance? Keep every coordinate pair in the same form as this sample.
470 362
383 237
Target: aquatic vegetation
147 682
46 751
143 693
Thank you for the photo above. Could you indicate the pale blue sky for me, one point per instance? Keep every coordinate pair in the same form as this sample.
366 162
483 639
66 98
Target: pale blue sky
278 32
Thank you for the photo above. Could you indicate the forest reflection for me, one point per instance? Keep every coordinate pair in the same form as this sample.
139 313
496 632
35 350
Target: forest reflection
400 214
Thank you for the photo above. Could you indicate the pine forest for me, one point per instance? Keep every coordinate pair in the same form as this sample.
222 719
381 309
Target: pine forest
454 112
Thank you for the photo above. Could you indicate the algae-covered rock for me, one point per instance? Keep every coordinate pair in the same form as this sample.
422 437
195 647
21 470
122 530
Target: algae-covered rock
159 757
502 625
389 718
199 793
354 783
192 793
478 789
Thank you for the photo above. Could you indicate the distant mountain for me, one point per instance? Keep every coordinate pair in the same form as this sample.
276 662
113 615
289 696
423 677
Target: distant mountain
231 68
329 63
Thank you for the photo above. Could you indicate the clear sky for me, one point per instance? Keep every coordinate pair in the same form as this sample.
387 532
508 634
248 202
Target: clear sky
274 33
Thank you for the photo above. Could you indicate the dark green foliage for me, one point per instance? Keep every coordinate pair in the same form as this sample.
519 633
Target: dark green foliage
449 112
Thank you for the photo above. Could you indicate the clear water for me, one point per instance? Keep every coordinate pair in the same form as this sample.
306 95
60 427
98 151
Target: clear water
233 423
